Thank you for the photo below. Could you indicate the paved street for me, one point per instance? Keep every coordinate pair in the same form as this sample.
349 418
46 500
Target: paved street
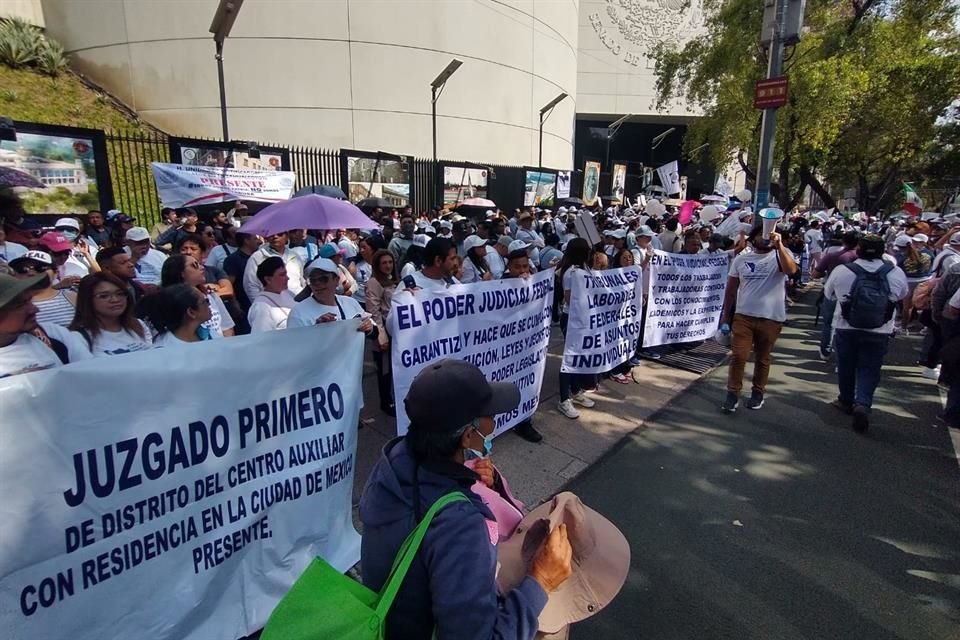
783 523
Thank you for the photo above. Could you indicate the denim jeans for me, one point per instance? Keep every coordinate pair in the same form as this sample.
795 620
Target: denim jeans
859 359
827 308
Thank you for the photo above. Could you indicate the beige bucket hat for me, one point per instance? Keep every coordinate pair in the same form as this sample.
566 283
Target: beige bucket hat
601 559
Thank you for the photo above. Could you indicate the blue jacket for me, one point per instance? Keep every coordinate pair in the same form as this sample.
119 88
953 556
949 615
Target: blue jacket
451 584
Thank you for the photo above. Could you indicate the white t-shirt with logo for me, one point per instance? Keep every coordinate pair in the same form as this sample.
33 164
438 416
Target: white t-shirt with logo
306 312
761 293
112 343
26 354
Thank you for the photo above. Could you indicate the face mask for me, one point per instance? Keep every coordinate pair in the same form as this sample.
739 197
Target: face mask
487 445
203 333
70 234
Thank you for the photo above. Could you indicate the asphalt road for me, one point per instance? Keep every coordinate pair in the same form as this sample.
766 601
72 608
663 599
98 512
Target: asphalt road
783 523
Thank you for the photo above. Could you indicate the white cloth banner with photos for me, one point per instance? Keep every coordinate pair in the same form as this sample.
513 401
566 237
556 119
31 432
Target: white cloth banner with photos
685 298
180 185
178 493
605 320
670 177
502 326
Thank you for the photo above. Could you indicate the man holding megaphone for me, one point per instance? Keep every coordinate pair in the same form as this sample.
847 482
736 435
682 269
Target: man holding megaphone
754 308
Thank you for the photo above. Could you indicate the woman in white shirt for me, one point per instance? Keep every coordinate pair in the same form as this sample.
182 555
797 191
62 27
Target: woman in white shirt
183 269
324 305
475 265
105 319
178 313
271 307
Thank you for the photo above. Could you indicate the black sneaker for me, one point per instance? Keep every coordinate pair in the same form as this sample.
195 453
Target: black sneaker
755 401
526 431
861 418
731 403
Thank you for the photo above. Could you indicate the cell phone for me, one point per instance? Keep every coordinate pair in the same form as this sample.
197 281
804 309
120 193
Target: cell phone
409 282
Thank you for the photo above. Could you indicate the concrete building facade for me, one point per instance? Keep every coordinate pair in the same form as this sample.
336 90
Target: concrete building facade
356 73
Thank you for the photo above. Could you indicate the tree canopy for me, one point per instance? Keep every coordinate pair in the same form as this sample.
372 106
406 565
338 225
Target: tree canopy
871 86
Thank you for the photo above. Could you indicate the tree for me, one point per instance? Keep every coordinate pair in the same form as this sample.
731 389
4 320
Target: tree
868 81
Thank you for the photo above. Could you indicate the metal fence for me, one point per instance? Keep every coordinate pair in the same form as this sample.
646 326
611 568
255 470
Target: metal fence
129 154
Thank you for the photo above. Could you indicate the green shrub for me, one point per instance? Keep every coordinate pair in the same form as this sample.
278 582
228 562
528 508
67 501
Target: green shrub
22 45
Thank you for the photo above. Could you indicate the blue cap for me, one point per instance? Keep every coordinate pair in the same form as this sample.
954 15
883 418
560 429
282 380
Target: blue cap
329 250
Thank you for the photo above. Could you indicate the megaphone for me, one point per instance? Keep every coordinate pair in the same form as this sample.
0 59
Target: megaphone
769 218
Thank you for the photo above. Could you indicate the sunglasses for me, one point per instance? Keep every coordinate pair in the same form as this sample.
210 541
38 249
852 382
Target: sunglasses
322 279
28 268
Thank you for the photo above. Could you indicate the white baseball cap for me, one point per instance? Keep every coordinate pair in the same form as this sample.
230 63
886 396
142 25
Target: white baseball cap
518 245
644 230
955 239
473 241
619 234
137 234
921 237
562 210
67 222
421 240
902 241
446 224
323 264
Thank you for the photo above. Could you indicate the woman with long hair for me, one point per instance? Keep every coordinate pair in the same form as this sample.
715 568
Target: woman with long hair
178 313
576 261
380 288
183 269
475 266
105 317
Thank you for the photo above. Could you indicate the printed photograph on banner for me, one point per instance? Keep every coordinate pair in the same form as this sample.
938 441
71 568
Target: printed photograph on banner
213 157
685 298
563 184
619 183
605 319
502 326
64 166
378 178
174 501
540 188
591 182
460 183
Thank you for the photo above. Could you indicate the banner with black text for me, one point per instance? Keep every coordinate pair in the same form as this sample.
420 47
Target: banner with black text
605 320
177 493
502 326
685 298
180 185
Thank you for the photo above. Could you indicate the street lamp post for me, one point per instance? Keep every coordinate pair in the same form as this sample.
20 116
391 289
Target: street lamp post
612 131
222 23
436 88
544 114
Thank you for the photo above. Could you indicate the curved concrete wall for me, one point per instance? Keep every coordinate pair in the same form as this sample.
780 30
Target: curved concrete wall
341 73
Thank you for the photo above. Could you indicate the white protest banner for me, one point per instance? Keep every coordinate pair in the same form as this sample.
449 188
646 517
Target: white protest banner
177 493
180 185
563 184
502 326
605 320
685 298
670 177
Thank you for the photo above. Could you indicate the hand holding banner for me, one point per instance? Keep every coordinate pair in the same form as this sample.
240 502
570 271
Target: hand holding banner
141 504
685 298
502 326
605 318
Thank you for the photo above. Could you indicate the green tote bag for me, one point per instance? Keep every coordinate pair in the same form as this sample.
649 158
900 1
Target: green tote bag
324 604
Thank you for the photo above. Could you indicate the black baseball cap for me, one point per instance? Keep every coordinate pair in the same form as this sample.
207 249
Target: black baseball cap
448 394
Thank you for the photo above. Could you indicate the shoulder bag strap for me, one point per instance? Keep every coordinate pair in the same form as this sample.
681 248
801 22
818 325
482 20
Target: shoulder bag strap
408 551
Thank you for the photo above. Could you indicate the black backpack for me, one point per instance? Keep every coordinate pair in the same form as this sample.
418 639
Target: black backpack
868 305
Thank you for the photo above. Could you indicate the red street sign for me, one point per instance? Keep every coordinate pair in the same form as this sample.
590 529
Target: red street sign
770 93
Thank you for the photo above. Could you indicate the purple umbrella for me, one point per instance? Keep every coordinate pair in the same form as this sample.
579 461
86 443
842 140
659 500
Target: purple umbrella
307 212
14 178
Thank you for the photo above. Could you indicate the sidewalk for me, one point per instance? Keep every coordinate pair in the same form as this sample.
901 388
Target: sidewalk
537 471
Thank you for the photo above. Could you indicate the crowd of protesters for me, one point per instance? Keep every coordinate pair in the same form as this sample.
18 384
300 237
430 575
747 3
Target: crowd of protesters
100 285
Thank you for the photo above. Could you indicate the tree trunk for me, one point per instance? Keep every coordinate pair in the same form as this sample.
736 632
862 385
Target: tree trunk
806 175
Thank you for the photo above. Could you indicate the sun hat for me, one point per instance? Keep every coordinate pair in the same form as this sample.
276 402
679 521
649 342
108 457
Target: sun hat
601 559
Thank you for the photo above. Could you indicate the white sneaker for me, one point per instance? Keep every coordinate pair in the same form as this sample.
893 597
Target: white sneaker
931 374
582 400
566 408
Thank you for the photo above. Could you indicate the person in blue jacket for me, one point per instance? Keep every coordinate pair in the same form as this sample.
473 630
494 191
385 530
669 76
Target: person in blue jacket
451 586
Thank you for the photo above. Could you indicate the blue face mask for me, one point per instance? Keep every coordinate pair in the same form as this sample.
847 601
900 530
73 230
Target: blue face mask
70 234
203 333
487 445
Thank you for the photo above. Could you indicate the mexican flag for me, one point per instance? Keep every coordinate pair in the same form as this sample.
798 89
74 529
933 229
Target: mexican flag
913 204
